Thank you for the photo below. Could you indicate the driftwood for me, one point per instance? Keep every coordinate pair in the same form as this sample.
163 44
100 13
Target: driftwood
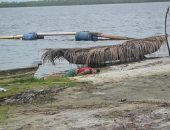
131 50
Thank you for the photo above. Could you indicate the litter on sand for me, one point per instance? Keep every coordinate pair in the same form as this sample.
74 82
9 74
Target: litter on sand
3 89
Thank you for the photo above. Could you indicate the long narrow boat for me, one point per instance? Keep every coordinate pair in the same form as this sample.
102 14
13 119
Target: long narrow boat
19 72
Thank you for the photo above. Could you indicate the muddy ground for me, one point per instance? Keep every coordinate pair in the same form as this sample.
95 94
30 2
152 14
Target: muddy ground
140 102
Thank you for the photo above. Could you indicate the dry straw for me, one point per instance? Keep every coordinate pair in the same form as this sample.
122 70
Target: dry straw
131 50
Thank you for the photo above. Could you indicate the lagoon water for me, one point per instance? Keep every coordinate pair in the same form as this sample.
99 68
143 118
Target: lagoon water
133 20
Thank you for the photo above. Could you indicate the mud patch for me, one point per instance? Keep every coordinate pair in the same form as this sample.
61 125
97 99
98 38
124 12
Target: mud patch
30 96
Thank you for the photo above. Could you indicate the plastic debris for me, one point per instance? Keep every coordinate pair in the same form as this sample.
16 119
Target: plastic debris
3 89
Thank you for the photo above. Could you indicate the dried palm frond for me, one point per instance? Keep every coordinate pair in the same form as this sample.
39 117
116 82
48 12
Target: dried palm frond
131 50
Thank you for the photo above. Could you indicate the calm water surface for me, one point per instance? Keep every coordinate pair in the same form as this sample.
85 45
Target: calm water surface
133 20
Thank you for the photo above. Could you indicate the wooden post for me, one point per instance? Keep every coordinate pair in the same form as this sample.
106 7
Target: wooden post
166 35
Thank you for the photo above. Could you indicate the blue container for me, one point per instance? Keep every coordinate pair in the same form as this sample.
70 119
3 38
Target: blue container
85 36
30 36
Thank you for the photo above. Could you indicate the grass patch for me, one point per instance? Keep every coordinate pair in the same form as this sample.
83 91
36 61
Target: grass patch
17 85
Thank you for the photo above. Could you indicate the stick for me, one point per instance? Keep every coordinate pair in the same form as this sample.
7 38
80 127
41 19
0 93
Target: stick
56 33
113 37
166 35
11 37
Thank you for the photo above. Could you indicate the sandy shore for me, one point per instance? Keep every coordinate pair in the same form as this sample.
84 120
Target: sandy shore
133 96
135 69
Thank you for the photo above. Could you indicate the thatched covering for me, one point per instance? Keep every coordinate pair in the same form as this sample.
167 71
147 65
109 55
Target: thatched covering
131 50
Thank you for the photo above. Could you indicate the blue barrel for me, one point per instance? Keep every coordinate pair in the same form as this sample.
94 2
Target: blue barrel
30 36
85 36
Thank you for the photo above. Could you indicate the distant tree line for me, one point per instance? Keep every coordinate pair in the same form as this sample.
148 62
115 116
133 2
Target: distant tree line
70 2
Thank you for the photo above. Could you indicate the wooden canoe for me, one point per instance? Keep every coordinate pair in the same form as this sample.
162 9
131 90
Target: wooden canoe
18 72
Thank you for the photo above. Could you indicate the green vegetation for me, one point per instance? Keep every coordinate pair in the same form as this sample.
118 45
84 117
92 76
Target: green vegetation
23 84
19 85
70 2
27 83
